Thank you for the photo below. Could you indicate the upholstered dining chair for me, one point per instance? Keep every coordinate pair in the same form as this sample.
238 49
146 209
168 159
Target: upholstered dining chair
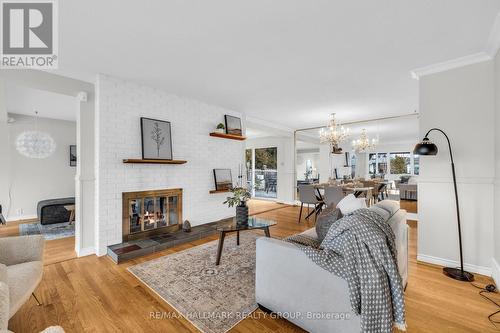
333 195
307 195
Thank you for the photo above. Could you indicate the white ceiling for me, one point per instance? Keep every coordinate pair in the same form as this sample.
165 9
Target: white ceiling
290 62
26 101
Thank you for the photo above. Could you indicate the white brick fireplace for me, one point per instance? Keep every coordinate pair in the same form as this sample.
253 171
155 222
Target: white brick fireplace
120 104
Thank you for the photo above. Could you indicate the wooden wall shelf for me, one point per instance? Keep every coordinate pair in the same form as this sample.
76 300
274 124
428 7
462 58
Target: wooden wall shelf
219 191
228 136
141 161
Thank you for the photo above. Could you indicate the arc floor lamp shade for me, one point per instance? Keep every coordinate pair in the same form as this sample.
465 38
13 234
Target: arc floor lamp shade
427 148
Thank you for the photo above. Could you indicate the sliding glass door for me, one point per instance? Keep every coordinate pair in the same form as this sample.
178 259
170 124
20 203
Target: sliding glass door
262 173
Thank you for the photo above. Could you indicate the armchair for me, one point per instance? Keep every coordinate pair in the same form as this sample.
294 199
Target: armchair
21 268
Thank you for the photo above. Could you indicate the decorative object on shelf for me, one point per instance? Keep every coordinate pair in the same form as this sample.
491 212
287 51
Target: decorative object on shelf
239 199
34 143
220 128
72 155
364 143
233 125
240 176
156 138
223 179
186 226
334 134
427 147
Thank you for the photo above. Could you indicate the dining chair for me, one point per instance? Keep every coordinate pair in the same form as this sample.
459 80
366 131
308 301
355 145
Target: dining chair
333 195
307 195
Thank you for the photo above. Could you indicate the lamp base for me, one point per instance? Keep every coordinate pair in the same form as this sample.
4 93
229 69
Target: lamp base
458 274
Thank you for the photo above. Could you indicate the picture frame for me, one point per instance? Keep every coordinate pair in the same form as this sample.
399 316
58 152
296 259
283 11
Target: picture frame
233 125
156 139
72 156
223 179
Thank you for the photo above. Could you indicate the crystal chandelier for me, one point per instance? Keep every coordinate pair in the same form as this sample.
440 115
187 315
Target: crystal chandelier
364 143
35 144
334 134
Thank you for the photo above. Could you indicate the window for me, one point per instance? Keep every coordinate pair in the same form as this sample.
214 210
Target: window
372 164
382 164
416 164
400 163
262 173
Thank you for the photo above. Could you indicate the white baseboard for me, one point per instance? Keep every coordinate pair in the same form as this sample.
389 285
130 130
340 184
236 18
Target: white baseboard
495 271
451 263
85 251
20 217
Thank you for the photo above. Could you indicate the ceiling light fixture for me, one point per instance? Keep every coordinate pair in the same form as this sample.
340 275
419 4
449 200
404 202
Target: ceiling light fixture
34 143
334 134
363 143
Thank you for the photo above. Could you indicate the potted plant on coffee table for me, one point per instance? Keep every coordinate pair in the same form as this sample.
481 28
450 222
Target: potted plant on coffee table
239 199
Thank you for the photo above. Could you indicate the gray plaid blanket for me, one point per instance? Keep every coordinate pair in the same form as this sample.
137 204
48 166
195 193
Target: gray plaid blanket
360 248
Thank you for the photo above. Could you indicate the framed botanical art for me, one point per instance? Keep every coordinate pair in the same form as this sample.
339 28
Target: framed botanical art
72 155
156 138
233 125
223 179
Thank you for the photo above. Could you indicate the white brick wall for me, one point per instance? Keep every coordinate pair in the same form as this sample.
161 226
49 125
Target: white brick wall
120 104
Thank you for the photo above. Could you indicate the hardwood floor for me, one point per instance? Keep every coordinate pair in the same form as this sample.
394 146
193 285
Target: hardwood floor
92 294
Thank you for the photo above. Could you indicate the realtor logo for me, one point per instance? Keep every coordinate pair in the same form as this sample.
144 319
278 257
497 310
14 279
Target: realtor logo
29 34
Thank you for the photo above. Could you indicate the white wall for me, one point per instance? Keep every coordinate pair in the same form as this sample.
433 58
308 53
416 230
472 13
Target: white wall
120 104
459 101
33 180
285 146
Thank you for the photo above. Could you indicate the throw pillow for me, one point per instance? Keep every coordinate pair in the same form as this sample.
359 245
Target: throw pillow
350 203
328 216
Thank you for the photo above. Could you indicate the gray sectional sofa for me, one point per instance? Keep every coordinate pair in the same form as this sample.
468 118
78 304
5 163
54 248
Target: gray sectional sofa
292 285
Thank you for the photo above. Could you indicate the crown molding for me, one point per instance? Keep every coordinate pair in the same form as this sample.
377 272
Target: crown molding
450 64
494 39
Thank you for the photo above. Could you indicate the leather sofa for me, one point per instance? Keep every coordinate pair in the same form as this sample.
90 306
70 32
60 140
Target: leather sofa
293 286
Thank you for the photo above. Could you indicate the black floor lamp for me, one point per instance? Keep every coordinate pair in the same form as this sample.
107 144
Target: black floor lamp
427 147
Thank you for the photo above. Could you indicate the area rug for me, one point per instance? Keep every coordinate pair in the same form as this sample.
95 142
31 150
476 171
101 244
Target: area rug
213 298
49 231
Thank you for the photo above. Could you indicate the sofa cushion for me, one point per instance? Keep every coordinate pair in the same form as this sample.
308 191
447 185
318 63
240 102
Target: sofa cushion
22 280
325 220
350 203
391 206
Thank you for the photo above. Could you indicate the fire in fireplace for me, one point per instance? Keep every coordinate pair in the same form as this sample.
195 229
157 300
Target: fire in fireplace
147 213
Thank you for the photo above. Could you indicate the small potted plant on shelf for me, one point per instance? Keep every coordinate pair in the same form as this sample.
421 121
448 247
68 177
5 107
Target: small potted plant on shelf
239 199
220 128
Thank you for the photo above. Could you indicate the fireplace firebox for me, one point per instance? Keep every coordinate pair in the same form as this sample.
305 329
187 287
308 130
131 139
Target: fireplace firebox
148 213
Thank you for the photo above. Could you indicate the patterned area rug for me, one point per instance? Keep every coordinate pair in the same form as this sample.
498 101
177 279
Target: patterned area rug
49 231
213 298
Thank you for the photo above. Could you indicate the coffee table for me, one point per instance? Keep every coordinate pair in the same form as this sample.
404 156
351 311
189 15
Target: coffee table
253 223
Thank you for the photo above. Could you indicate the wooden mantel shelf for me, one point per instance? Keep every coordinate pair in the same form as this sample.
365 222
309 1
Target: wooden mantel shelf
228 136
219 191
141 161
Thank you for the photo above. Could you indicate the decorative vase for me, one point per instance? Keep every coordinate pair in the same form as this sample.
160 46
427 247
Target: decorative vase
242 214
186 226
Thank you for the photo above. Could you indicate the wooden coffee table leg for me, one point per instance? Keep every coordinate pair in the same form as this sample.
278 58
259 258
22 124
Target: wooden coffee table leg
238 237
222 235
266 230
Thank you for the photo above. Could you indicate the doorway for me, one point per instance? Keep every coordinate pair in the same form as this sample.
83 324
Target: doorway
262 172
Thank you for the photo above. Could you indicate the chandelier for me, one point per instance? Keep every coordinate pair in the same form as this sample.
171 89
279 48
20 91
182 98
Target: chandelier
34 143
364 143
334 134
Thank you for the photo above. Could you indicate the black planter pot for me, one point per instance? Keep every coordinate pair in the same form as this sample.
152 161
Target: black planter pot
242 214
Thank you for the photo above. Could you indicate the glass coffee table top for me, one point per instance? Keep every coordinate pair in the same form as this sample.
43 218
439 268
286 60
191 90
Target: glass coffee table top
254 222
